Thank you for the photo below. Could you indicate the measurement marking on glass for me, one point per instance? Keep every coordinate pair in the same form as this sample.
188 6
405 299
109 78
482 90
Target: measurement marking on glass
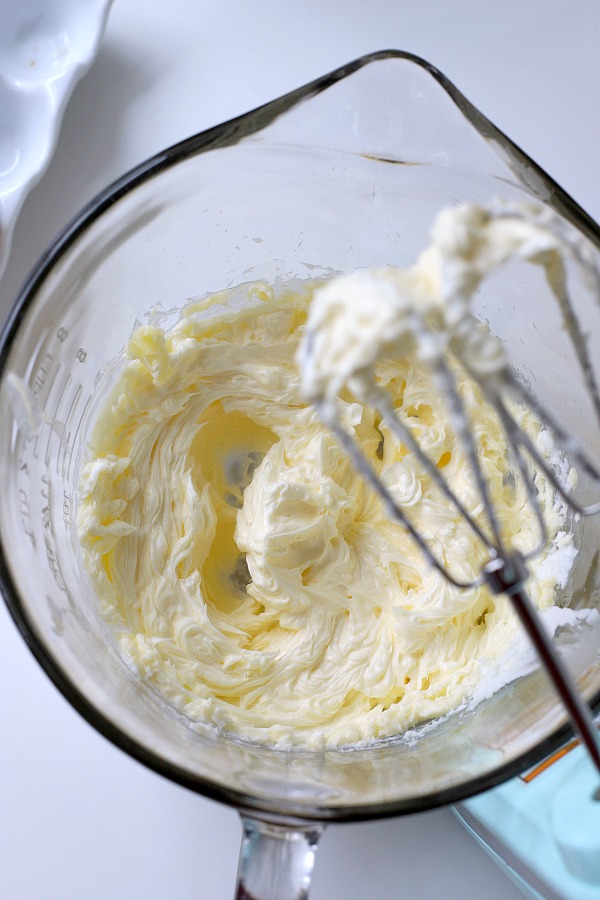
74 402
67 435
65 466
44 376
63 437
53 419
43 381
73 440
47 453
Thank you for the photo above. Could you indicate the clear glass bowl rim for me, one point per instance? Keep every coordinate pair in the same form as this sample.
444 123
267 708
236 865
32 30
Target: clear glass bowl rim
227 134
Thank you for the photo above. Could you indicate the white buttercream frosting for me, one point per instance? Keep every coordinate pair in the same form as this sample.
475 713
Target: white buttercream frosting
247 570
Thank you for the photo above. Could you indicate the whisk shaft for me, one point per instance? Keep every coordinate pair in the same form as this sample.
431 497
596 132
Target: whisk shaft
507 577
581 716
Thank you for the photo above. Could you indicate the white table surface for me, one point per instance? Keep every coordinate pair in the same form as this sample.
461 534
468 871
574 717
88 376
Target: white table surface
79 820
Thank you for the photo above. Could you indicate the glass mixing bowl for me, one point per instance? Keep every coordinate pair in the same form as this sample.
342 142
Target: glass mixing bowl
345 172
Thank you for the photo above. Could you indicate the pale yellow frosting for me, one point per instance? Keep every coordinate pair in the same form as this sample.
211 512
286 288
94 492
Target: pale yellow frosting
248 572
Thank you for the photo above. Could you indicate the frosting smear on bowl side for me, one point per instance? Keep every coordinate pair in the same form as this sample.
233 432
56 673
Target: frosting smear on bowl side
248 572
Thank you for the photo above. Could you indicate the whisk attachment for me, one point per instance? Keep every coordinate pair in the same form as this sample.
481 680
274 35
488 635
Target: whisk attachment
424 313
508 576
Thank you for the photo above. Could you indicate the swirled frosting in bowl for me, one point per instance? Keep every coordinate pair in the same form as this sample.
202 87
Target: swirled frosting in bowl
248 572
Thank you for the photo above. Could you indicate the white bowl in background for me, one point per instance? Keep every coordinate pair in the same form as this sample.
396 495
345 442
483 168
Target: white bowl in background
45 48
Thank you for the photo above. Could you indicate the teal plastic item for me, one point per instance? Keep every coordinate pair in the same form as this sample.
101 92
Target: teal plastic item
543 828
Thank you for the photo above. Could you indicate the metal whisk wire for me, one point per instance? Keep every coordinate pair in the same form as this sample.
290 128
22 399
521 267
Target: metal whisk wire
505 570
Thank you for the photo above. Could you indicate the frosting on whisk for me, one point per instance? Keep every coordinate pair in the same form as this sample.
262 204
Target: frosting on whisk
358 318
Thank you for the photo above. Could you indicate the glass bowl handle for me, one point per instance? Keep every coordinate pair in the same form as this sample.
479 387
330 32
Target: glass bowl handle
276 860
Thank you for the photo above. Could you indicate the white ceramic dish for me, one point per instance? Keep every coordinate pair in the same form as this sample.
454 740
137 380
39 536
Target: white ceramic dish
45 47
